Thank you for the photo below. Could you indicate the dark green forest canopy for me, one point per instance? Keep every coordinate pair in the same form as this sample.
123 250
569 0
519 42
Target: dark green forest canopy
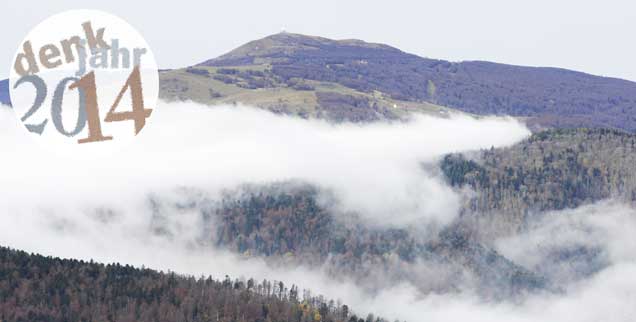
38 288
286 224
551 170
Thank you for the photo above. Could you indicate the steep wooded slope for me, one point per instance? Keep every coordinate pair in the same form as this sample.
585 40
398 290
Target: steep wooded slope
38 288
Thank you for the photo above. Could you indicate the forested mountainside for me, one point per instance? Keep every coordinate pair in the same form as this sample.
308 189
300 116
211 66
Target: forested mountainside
286 224
551 170
548 96
37 288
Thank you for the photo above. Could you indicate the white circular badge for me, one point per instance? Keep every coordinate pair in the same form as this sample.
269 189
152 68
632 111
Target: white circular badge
84 81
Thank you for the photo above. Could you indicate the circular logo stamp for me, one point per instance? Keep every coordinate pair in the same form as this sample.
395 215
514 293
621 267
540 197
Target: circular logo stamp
84 80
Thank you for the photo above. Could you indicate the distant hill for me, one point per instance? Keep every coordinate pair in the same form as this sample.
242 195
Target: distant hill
546 96
351 80
285 223
4 92
551 170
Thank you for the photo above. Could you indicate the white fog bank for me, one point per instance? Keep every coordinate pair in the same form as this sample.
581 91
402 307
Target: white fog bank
99 210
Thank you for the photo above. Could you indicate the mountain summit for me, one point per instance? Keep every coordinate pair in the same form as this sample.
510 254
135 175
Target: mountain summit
547 97
279 47
352 80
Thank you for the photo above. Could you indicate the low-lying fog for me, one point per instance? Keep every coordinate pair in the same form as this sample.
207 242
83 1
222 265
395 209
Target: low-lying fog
99 210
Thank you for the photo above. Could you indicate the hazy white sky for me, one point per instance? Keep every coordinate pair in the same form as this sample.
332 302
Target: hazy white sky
590 36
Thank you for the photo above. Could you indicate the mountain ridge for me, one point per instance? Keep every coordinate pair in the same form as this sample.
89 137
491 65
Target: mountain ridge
278 37
353 80
547 96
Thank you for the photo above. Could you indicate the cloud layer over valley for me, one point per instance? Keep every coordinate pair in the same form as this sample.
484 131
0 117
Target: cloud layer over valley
375 169
106 208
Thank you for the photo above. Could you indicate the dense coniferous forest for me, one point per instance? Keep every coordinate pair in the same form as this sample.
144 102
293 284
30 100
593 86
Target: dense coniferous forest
35 288
552 170
285 223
